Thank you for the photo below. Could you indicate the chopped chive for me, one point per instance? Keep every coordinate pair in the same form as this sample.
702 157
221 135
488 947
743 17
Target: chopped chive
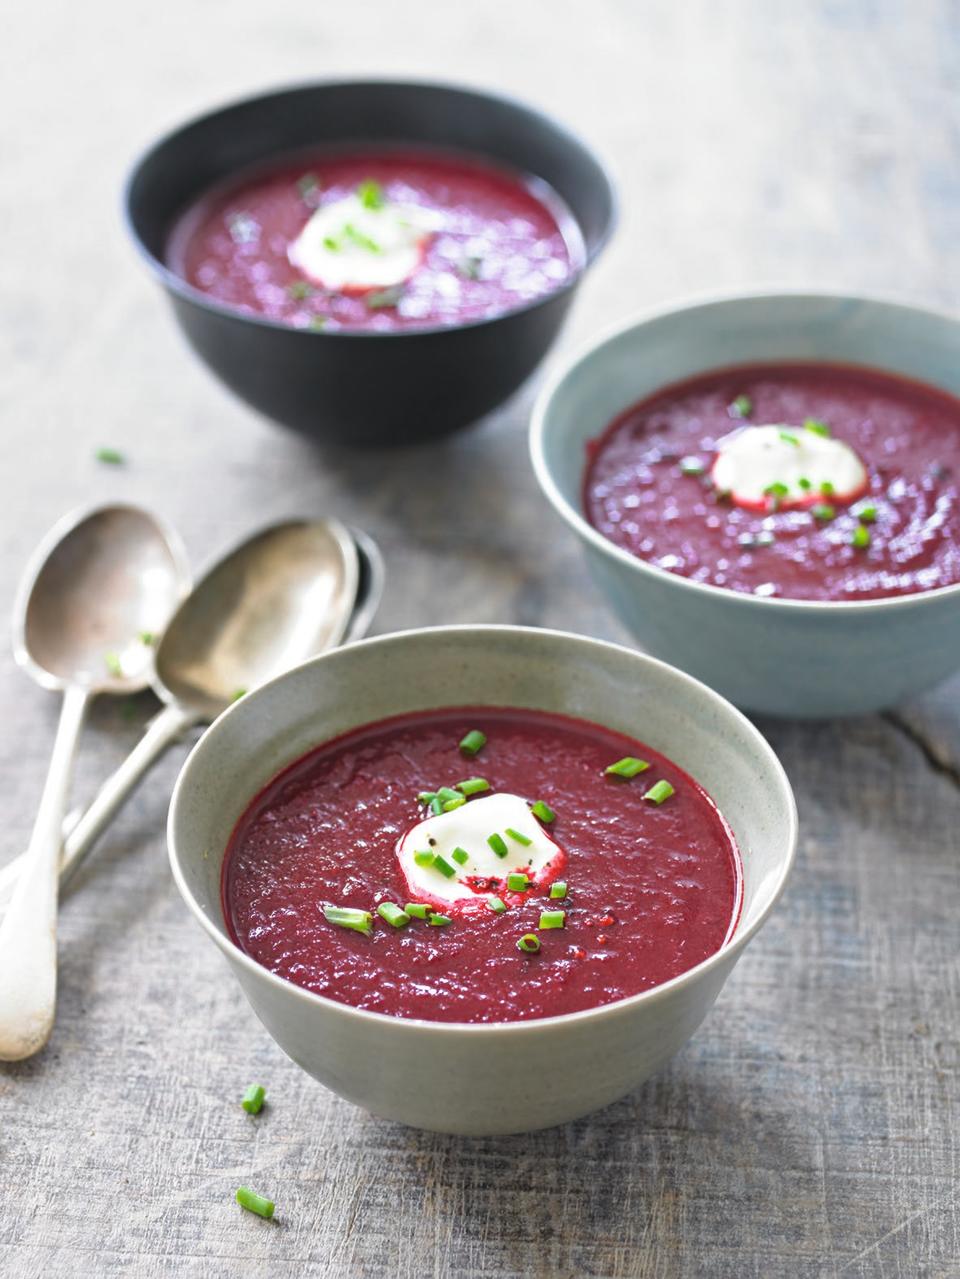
497 905
392 913
113 664
426 797
629 766
439 921
416 910
332 244
789 438
473 742
742 406
543 811
148 639
446 793
299 289
255 1203
866 514
552 918
252 1101
517 882
110 457
822 511
692 466
370 194
861 537
359 921
776 489
818 428
529 943
518 836
384 297
362 241
473 785
450 804
424 857
496 843
317 322
436 806
460 855
443 866
558 889
237 694
804 483
827 489
658 792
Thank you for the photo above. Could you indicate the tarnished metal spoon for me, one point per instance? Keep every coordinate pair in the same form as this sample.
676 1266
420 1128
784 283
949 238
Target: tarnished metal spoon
101 585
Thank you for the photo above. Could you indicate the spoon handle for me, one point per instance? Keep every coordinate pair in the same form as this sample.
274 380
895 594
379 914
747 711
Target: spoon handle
82 829
28 934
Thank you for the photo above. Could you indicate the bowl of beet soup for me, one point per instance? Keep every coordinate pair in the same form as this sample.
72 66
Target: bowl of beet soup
482 879
371 262
767 488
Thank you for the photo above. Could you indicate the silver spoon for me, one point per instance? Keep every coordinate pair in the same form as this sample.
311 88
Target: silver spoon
100 586
289 592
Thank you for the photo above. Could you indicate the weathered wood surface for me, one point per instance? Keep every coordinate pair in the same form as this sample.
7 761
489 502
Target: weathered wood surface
810 1129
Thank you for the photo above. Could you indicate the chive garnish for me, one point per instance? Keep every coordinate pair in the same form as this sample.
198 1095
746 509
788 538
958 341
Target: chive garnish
742 406
496 843
776 489
147 639
658 792
299 289
317 322
439 921
446 793
332 244
359 921
443 866
110 457
818 428
113 664
629 766
473 785
384 297
426 797
416 910
424 857
237 694
436 806
473 742
370 194
252 1101
827 489
518 836
454 802
866 514
255 1203
543 811
517 882
362 241
529 943
558 889
804 483
497 905
552 919
460 856
822 511
789 438
392 913
692 466
861 537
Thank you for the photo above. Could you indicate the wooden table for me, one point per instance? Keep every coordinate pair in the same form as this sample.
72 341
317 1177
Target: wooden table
810 1129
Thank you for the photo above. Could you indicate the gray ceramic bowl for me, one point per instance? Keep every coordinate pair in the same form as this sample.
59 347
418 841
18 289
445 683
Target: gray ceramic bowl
784 657
559 1067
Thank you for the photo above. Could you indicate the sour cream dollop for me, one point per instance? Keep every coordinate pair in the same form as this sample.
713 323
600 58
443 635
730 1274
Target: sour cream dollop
360 243
469 827
790 466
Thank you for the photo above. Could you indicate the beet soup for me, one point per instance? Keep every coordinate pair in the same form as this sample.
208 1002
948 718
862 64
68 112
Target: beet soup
798 481
481 865
377 241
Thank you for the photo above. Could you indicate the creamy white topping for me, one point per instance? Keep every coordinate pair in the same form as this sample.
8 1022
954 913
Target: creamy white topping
353 244
469 827
792 464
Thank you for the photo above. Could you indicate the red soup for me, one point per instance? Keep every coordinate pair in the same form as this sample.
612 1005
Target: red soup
802 481
481 865
378 241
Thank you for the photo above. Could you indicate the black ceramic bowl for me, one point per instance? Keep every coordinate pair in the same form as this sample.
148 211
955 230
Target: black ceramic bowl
366 388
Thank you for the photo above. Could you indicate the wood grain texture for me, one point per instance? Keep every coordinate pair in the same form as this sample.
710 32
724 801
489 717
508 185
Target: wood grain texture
810 1129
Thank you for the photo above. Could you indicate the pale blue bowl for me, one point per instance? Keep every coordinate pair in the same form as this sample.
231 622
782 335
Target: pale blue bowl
783 657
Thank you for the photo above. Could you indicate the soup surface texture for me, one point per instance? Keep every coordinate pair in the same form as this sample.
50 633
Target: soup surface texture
624 893
650 487
377 241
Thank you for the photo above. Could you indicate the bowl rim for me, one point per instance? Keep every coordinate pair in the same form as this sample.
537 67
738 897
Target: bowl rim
588 350
729 951
175 284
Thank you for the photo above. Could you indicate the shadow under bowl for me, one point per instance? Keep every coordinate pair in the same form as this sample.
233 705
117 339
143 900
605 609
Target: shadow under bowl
362 388
445 1076
796 658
